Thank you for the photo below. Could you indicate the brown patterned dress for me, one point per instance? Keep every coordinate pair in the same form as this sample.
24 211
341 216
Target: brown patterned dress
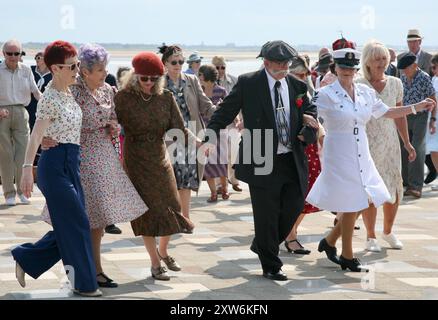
146 161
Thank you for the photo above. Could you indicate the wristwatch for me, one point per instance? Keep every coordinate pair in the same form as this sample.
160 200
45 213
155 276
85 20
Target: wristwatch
432 119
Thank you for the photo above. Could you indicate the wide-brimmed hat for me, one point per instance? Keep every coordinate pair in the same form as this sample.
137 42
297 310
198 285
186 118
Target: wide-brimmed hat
347 58
299 62
324 62
194 57
414 34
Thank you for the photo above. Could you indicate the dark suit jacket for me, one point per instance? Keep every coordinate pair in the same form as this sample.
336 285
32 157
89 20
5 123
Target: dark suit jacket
251 95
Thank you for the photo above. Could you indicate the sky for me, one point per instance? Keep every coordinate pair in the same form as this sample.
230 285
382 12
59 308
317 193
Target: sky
218 22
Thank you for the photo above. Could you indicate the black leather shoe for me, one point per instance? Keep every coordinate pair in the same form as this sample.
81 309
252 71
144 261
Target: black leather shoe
431 176
108 283
113 229
353 264
276 276
301 250
331 252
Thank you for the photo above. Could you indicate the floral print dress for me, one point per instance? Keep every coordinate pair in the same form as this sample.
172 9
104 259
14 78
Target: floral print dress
185 166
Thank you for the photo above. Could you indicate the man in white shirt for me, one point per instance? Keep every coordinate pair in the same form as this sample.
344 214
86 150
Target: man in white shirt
16 86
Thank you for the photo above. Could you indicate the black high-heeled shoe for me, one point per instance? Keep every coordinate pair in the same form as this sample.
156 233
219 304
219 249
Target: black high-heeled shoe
353 264
301 250
108 283
331 252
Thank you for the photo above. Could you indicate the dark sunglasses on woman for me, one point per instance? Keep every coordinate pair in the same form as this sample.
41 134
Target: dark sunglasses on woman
151 78
175 62
220 67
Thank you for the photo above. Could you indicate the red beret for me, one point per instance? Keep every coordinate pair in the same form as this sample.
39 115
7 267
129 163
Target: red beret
148 64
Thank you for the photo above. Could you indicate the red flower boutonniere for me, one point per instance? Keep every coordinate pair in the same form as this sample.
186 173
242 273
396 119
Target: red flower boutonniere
299 100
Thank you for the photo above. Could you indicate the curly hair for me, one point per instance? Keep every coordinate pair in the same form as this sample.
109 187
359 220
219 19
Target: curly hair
130 82
168 51
91 54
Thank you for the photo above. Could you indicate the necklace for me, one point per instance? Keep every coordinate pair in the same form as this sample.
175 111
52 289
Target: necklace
144 99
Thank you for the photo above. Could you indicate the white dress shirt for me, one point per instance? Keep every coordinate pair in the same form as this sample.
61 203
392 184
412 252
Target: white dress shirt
284 93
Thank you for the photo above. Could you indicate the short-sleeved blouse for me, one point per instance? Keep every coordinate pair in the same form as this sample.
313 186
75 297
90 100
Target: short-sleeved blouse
65 115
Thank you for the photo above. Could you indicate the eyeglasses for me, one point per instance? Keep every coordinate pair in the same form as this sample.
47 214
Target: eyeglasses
175 62
150 78
72 66
39 58
220 67
15 54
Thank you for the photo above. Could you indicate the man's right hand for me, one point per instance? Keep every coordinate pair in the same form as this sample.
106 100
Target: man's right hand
4 113
48 143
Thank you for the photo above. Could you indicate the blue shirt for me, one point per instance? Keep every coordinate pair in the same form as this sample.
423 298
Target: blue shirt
419 89
189 71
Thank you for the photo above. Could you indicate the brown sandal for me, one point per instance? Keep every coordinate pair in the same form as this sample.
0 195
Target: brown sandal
225 195
213 198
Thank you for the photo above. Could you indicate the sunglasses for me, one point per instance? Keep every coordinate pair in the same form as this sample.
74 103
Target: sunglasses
72 66
15 54
220 67
175 62
150 78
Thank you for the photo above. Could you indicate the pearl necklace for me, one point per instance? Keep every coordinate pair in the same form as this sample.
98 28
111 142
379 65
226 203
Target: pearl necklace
144 99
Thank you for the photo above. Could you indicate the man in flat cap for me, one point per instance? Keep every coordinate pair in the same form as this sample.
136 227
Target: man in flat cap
414 40
273 106
417 86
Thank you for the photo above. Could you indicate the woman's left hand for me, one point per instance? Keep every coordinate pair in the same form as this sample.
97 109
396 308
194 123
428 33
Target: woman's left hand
112 128
412 154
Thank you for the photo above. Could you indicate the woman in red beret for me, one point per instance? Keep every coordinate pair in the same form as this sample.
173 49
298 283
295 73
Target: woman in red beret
147 111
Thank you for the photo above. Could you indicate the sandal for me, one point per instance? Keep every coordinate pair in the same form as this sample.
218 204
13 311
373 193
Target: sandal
301 250
108 283
213 198
225 195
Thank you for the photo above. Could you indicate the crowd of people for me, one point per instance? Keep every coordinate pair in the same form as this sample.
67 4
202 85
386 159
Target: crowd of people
348 134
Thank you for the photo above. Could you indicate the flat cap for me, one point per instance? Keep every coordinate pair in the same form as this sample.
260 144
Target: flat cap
406 60
277 51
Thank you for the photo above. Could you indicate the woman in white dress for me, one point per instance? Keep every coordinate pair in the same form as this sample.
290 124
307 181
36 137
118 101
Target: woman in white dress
432 138
349 181
384 142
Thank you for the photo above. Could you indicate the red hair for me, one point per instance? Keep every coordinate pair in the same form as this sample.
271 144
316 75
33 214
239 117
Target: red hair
57 52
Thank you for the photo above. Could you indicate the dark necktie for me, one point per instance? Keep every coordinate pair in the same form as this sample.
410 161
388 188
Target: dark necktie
281 119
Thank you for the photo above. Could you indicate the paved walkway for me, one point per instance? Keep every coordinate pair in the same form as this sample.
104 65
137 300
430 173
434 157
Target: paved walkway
217 263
